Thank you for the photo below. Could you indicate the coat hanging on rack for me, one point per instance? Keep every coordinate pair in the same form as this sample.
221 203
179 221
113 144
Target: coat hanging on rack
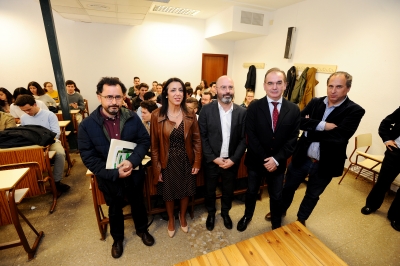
298 89
309 90
251 78
291 80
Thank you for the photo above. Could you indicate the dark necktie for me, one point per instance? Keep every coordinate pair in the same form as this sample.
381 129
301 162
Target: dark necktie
275 115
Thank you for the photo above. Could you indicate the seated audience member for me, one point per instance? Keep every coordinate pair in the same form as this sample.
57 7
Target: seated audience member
6 99
248 99
204 84
197 92
148 96
143 88
213 90
187 85
36 116
48 87
159 90
40 94
15 111
6 121
206 98
192 105
132 92
154 86
147 108
75 100
127 103
189 92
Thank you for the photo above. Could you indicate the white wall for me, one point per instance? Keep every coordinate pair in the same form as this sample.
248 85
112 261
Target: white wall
359 36
160 48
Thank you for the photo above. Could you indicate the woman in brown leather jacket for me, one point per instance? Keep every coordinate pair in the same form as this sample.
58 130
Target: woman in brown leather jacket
175 151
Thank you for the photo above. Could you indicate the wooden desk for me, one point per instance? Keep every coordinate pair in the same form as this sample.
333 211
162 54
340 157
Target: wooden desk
73 113
64 142
291 244
376 158
9 179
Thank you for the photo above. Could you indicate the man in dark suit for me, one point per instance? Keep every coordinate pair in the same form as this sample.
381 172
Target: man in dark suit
328 124
223 140
389 130
272 128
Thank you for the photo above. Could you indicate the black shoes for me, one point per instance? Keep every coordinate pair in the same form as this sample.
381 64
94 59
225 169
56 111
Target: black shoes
227 221
367 210
268 216
147 239
61 187
303 222
117 249
210 222
242 224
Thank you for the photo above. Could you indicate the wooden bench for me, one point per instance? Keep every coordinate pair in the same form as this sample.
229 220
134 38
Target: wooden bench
292 244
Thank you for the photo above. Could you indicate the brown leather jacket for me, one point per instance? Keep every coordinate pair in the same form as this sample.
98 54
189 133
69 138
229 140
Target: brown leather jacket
161 129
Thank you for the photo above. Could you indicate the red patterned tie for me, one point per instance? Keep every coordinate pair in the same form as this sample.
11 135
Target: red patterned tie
275 114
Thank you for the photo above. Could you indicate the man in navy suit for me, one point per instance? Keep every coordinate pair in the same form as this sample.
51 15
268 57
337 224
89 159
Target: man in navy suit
223 141
327 123
272 128
389 130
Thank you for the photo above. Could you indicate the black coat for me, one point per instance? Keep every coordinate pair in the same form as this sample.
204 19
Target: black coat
291 80
263 142
389 129
25 136
93 145
251 78
211 133
333 143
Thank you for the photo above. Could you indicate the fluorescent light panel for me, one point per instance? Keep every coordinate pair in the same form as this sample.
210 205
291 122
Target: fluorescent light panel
175 10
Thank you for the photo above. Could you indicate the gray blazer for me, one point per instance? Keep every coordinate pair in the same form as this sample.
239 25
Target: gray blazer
211 133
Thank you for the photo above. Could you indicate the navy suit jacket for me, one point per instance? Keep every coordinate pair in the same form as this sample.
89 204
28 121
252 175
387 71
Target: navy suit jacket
263 142
333 143
389 129
211 133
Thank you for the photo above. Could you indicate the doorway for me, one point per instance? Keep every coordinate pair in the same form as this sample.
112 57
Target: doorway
214 66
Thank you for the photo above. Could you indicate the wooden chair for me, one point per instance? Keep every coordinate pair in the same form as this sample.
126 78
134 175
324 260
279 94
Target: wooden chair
85 113
37 159
368 164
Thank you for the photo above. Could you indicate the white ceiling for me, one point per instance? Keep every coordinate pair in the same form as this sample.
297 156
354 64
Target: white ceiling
133 12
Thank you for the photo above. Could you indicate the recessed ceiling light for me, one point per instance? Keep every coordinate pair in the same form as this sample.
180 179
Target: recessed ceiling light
98 7
175 10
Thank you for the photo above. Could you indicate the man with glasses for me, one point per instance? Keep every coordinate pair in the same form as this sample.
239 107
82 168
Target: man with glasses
110 121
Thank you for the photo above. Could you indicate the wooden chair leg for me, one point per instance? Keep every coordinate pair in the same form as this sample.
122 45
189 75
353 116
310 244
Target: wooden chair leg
98 210
348 168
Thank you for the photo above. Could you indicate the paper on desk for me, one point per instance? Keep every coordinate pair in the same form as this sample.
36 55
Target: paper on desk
119 150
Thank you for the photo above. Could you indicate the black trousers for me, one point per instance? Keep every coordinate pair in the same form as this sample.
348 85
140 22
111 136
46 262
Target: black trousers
315 187
389 170
133 193
275 186
212 173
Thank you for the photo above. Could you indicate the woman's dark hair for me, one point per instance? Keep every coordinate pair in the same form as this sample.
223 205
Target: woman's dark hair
9 97
39 89
164 99
205 83
21 91
198 88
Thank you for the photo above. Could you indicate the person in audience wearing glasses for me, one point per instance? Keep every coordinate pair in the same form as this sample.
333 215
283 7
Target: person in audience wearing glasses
328 123
206 98
175 151
75 100
48 87
272 128
126 182
34 115
389 131
222 127
15 111
248 99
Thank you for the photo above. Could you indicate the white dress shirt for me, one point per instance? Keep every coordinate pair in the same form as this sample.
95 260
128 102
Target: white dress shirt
226 119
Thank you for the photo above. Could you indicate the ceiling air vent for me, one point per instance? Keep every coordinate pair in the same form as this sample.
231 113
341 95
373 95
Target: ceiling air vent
252 18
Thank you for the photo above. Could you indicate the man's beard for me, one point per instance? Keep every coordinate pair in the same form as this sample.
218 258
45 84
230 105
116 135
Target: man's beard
227 98
112 111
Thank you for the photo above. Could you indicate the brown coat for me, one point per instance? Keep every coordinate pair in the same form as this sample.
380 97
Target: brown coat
161 129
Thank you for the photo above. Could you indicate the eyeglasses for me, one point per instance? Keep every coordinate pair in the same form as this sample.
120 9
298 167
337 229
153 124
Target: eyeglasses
110 98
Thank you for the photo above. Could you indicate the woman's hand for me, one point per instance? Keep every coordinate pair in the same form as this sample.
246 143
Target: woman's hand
195 171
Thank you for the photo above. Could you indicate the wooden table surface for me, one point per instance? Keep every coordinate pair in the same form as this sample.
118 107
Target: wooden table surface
291 244
377 158
8 178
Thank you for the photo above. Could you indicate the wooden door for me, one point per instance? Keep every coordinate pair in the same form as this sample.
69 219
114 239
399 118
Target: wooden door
214 66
